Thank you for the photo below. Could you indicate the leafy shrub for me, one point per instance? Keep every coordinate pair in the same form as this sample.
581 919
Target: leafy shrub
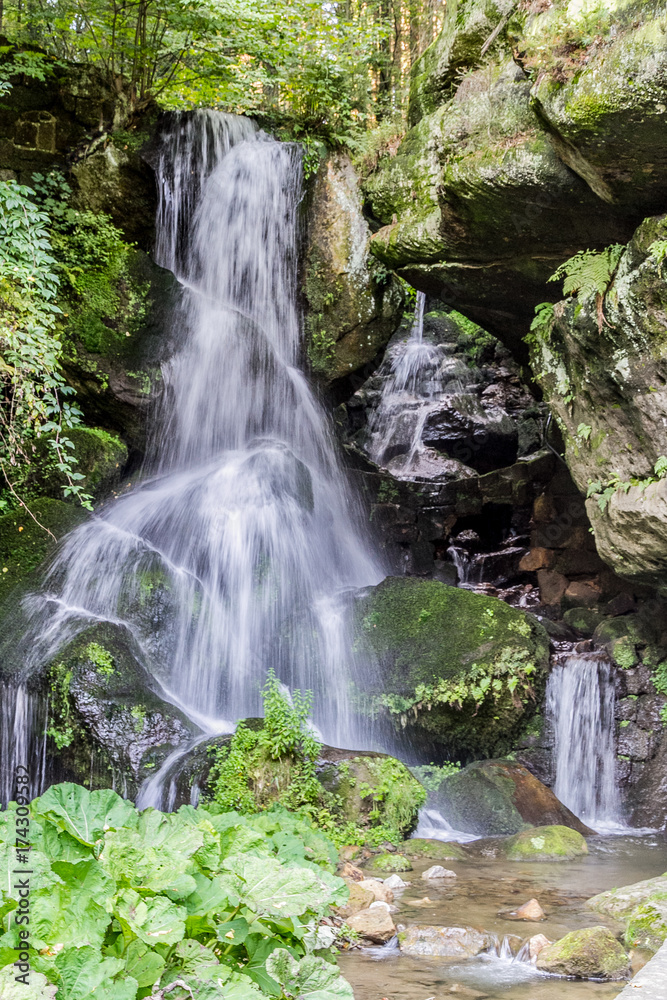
211 904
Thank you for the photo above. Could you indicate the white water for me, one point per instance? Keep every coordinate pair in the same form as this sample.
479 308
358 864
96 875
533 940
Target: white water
23 722
580 706
432 825
243 521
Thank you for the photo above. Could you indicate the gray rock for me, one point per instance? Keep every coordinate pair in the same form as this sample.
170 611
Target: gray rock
444 942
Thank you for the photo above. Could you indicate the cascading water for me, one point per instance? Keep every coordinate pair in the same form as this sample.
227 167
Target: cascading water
23 723
243 520
580 707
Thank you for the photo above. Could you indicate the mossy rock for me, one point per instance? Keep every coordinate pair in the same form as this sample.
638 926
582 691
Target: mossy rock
433 850
620 903
585 620
460 671
26 541
647 926
387 864
591 953
106 706
494 797
100 458
545 843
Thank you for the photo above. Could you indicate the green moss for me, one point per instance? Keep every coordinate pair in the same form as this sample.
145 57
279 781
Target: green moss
591 953
545 843
388 863
585 620
463 667
101 658
647 926
433 850
25 541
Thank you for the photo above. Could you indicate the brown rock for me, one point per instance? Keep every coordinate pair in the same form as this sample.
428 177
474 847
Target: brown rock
378 889
529 911
359 899
351 871
349 852
536 944
373 925
583 593
538 558
552 585
544 509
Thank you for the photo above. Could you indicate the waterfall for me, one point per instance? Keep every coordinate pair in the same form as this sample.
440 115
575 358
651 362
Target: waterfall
243 516
23 721
580 707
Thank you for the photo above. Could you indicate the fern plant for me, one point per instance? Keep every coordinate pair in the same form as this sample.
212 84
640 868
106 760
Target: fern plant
604 491
590 272
658 250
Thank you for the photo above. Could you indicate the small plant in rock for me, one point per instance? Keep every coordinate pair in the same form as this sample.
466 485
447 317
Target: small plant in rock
590 272
602 492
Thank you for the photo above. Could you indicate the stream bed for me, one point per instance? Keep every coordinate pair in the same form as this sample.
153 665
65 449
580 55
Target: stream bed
485 886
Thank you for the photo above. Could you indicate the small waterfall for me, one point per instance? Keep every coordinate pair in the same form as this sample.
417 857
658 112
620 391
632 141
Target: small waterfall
244 520
432 825
580 707
23 722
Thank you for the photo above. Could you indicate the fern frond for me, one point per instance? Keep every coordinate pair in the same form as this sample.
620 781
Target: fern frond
589 271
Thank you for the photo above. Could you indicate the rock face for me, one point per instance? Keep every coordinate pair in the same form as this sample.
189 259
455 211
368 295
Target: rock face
593 953
354 304
446 657
522 153
545 843
605 379
501 797
444 942
642 907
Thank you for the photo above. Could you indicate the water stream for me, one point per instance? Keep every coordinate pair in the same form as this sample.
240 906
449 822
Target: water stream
243 521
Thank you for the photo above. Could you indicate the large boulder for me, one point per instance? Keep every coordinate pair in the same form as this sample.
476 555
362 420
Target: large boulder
642 907
500 797
592 953
521 152
458 672
545 843
354 304
602 366
444 942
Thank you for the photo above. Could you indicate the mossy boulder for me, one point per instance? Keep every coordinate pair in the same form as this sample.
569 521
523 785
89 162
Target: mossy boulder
591 953
545 843
386 864
107 713
436 850
27 538
354 304
458 672
100 459
642 907
501 797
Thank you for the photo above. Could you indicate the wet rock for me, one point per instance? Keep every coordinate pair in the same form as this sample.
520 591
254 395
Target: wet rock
648 797
438 850
528 911
592 953
389 863
117 182
647 925
437 871
536 944
359 899
395 882
501 797
427 636
585 620
373 925
620 903
381 892
444 942
354 305
545 843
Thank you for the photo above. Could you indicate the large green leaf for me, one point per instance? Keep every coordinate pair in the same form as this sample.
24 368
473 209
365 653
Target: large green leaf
310 979
142 963
196 960
279 889
226 985
154 921
74 908
214 895
38 987
146 865
83 814
80 972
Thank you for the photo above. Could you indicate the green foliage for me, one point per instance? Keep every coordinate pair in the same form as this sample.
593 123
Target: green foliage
562 48
274 763
432 775
604 491
60 727
590 272
101 659
33 390
125 904
658 251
